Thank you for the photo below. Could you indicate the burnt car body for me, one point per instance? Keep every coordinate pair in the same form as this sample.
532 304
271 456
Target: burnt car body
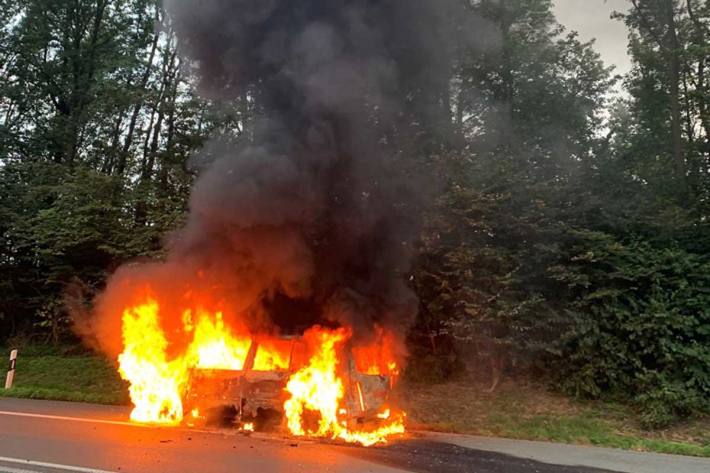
251 395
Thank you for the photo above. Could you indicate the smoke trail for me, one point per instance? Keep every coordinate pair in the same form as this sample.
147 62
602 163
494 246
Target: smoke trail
313 218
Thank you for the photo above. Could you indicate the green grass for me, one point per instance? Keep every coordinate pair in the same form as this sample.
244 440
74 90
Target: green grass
585 428
532 413
62 374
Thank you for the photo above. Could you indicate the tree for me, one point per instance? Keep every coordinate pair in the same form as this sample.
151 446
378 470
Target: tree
97 122
669 91
641 325
531 116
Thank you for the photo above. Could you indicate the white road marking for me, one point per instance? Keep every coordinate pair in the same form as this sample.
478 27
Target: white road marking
7 469
119 422
74 419
56 466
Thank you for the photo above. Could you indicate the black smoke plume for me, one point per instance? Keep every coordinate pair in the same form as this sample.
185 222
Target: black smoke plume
313 218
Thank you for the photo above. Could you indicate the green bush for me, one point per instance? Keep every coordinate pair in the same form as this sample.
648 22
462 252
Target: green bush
641 326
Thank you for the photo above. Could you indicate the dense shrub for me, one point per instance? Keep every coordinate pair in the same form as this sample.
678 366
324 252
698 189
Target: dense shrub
641 326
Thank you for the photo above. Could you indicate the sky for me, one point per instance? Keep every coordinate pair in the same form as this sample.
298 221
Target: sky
591 19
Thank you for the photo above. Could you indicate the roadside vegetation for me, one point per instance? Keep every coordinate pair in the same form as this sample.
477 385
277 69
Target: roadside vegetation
532 412
567 240
67 373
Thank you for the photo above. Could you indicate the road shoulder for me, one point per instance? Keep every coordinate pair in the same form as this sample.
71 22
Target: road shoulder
576 455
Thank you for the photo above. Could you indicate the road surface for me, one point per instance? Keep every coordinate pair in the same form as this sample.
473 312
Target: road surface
57 437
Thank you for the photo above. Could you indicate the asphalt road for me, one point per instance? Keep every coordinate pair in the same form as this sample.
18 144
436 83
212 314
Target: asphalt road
52 437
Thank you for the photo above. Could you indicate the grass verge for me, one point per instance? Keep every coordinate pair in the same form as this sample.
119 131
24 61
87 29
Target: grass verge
531 412
65 375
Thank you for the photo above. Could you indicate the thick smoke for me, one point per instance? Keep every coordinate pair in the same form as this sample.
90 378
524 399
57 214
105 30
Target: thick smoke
312 219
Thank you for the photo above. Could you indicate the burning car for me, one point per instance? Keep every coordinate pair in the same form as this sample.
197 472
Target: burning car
253 396
321 384
307 216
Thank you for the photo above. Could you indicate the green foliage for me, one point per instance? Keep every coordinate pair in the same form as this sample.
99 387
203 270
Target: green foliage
533 112
480 273
61 224
641 325
97 121
668 142
569 246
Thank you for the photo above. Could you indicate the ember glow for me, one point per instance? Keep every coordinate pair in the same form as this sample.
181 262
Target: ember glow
248 427
315 396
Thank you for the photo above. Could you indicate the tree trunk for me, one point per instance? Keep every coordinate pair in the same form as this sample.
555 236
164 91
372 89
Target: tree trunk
166 88
169 145
109 162
151 151
674 78
84 71
123 156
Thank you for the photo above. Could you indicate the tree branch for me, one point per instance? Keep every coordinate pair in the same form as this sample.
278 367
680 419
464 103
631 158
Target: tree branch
646 24
696 21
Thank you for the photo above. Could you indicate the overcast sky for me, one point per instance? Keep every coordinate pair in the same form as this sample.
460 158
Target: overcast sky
591 19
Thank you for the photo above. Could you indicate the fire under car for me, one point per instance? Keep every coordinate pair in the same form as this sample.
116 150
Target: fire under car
253 396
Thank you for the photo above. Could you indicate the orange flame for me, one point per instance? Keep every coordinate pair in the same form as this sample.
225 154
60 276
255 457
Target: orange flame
318 388
316 404
215 348
378 357
156 383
